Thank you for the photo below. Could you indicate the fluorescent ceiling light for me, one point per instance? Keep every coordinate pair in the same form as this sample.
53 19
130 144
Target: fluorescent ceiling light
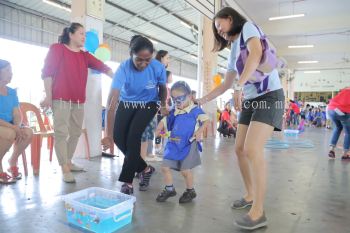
301 46
55 4
307 62
312 72
286 17
189 26
194 57
186 24
153 41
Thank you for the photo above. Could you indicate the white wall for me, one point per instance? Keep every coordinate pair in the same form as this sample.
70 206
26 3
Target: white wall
327 80
27 62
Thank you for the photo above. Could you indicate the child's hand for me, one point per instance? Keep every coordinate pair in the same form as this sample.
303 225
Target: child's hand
164 111
160 129
198 135
159 132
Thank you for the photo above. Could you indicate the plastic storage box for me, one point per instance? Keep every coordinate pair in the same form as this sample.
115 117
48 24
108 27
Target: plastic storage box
291 132
99 210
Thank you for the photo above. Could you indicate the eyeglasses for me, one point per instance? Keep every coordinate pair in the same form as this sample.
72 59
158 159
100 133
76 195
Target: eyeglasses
140 60
179 99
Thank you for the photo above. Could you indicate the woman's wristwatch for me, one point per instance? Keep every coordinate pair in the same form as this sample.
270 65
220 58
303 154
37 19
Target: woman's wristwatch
237 87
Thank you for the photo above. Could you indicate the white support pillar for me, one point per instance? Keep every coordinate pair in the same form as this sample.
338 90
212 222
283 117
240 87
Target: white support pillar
200 58
90 14
208 70
207 66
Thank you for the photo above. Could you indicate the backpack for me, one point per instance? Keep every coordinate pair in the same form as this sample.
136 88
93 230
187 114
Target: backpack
268 63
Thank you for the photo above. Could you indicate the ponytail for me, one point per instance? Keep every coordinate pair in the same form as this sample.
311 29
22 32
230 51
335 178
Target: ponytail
64 37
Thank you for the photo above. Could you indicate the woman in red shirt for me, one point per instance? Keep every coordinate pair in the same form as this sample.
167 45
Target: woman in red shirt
65 76
339 113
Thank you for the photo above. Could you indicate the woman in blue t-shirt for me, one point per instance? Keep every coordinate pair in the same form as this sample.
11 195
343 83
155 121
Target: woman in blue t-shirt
138 91
11 129
261 109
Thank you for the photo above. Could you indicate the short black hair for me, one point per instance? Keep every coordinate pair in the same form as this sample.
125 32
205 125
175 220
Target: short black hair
182 86
139 43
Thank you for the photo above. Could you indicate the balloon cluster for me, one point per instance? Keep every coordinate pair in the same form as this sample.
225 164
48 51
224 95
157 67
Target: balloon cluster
92 45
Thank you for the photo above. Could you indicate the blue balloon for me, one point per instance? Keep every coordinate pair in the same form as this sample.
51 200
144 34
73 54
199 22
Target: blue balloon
91 41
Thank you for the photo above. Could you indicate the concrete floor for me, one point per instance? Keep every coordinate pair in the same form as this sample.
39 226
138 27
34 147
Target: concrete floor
307 192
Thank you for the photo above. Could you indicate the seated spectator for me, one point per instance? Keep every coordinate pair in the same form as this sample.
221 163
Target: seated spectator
318 118
226 125
12 131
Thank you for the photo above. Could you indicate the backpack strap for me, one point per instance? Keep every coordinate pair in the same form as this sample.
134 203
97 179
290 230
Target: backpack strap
262 37
196 111
241 42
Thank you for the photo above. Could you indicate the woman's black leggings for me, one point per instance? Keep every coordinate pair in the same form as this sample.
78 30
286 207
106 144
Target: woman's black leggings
130 121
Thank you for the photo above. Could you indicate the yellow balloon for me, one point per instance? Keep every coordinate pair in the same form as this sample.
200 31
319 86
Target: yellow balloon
104 45
217 80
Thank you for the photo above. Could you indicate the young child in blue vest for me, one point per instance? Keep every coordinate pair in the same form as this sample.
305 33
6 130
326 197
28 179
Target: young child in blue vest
184 126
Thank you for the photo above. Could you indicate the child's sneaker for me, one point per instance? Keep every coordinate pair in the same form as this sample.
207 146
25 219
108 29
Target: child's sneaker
331 154
165 194
187 196
126 189
346 157
145 178
6 179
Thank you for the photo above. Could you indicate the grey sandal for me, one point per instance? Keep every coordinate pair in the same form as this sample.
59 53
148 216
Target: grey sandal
241 204
248 224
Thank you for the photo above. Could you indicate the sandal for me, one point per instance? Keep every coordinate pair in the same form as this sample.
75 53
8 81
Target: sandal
331 154
14 172
6 179
345 157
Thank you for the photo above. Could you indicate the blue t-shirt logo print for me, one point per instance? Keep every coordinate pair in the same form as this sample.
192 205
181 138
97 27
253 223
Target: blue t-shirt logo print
150 85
